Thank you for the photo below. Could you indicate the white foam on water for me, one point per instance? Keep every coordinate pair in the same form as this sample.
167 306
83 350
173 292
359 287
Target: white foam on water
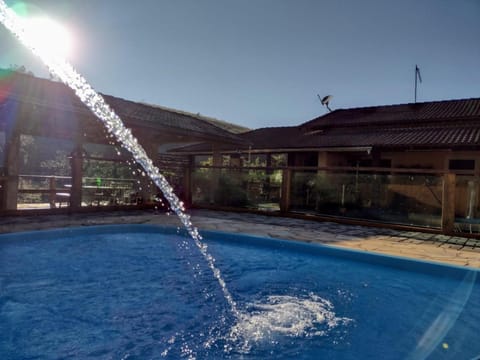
283 316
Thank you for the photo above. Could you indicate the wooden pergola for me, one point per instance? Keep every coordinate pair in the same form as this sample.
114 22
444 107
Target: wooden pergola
43 108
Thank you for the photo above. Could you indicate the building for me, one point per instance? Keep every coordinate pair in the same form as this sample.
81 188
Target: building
439 135
381 161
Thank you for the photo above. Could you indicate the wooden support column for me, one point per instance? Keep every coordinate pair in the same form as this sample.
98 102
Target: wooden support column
187 184
217 161
77 175
10 190
52 187
286 187
448 203
151 148
322 158
268 158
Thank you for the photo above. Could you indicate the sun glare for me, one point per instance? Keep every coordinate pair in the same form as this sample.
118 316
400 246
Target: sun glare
48 36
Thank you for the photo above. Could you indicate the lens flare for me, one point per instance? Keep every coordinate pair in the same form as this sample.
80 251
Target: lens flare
48 36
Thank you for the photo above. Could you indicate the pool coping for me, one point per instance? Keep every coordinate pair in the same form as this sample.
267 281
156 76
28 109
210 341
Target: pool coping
415 245
387 260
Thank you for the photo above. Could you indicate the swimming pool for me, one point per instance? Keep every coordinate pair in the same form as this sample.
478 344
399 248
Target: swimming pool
138 291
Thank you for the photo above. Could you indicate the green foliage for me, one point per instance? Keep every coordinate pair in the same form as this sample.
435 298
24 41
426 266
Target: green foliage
20 69
60 165
106 169
279 160
256 161
28 147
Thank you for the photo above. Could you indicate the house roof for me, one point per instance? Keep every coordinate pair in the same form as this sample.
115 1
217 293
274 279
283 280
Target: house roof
451 123
420 136
263 138
41 92
156 116
413 113
230 127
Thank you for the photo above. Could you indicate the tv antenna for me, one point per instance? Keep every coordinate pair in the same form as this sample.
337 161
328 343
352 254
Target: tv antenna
325 101
417 77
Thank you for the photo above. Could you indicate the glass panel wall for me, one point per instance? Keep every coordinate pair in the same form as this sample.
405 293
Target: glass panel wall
43 191
467 210
44 168
111 178
107 183
394 198
246 188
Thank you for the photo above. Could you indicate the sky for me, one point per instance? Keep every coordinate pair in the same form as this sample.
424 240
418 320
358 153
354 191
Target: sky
261 63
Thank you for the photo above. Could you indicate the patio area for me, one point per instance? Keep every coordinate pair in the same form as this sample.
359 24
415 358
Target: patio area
453 250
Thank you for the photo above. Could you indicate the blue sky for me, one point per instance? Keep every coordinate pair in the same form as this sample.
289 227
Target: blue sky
260 63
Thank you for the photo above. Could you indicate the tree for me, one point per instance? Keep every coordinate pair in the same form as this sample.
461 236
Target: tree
20 69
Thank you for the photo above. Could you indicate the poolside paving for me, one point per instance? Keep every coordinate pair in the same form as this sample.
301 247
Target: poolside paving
455 250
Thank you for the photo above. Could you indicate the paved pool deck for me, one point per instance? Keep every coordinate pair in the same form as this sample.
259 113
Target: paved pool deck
455 250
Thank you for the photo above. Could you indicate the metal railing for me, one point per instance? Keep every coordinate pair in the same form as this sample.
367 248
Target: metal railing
48 191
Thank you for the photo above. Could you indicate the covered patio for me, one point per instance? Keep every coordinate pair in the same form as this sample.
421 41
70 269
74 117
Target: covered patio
56 156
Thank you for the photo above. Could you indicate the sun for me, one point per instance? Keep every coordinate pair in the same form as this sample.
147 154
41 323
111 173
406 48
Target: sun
47 36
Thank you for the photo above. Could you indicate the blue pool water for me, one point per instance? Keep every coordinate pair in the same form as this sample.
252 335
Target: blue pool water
138 292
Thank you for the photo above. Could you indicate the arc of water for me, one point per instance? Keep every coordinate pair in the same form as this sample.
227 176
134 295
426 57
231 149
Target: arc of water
114 125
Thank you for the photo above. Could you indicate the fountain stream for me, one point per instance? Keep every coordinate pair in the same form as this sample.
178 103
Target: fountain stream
114 125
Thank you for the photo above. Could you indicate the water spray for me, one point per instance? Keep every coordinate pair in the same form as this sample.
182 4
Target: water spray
94 101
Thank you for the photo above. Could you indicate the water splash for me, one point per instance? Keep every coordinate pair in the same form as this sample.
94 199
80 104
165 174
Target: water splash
284 316
114 125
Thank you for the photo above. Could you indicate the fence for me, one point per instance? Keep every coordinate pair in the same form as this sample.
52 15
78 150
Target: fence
443 201
40 191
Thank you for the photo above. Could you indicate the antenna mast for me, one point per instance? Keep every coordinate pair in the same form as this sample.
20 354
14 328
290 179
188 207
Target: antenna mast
417 76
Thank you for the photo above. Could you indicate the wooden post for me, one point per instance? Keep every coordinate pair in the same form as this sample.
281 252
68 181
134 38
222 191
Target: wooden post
216 172
187 184
52 192
286 187
10 190
448 203
77 174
